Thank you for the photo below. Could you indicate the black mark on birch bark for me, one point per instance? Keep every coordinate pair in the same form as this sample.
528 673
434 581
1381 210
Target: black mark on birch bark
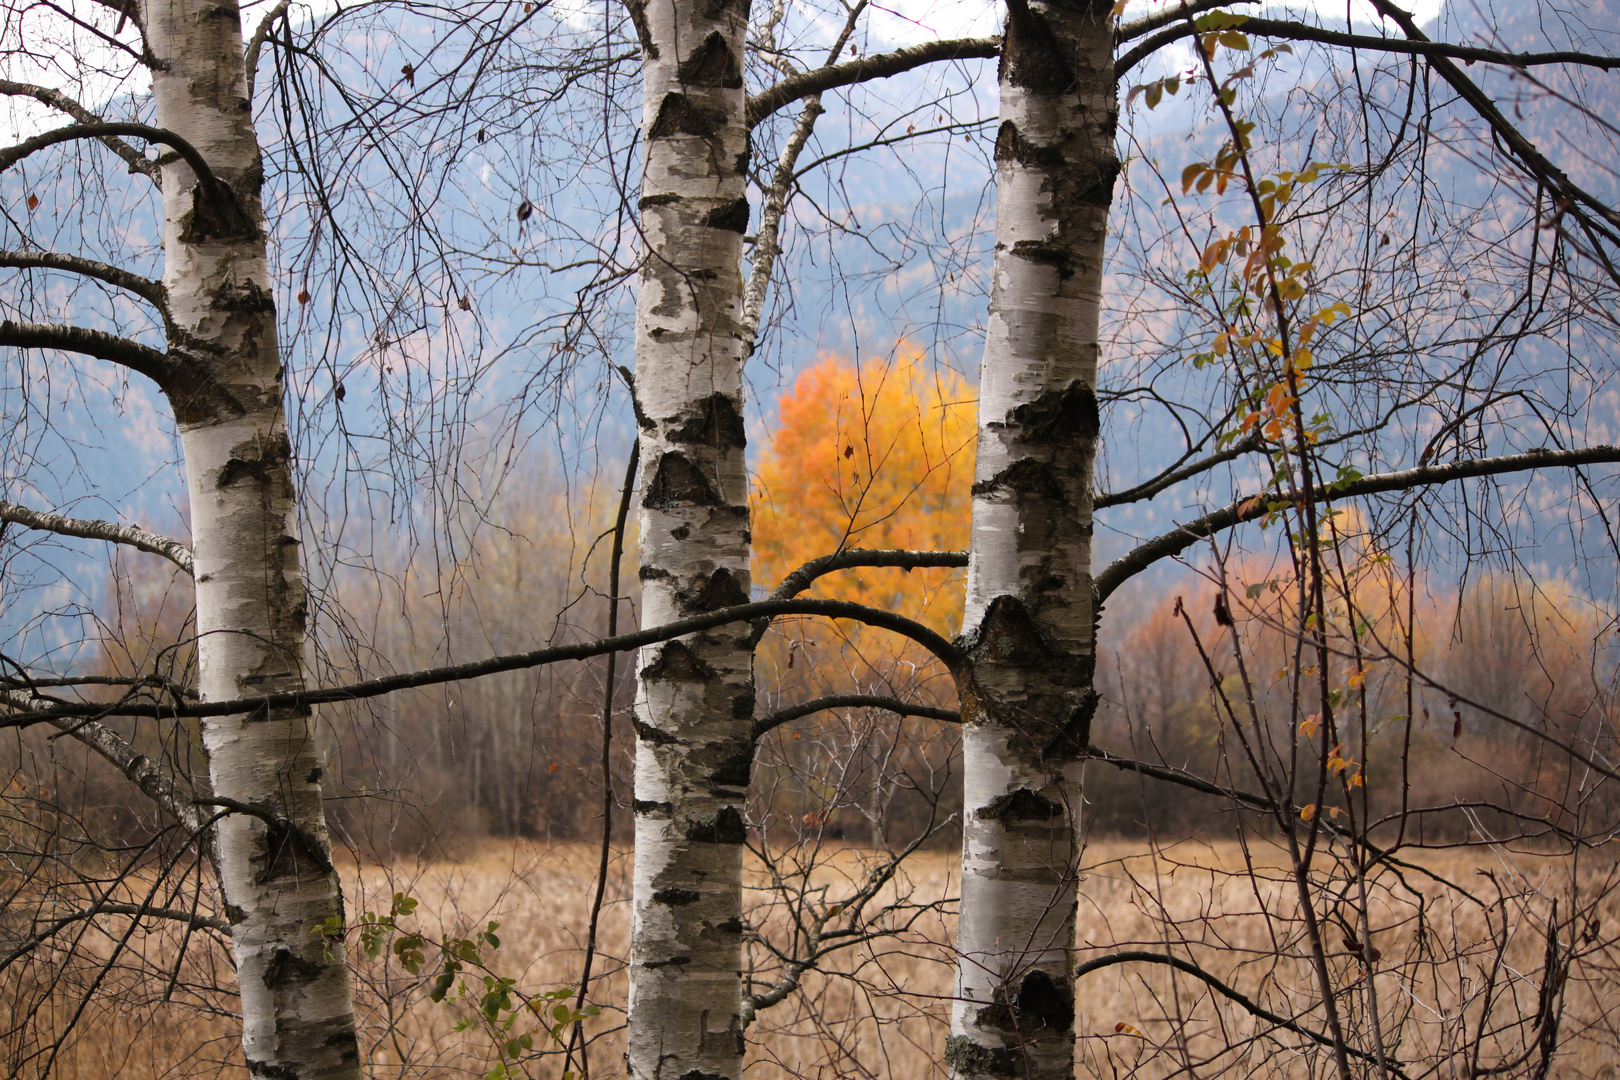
1057 416
724 826
732 217
680 115
677 482
1007 636
638 17
1026 476
285 969
1012 146
676 897
722 590
677 662
649 734
1032 57
714 421
1020 805
712 64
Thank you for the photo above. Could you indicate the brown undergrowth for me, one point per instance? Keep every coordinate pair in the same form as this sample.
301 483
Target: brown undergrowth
1466 978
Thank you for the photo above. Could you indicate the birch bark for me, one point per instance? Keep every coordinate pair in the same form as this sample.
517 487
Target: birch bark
272 849
695 699
1027 699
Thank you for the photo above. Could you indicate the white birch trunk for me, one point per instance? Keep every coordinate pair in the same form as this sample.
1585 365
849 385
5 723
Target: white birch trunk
1028 699
695 699
276 873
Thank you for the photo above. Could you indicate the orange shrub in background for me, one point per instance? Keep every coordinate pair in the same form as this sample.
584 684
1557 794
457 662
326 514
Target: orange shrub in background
878 455
875 455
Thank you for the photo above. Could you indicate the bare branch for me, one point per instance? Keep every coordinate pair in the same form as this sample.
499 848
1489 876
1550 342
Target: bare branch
882 66
255 44
147 289
802 578
948 654
1439 52
189 391
1237 998
131 535
1171 477
55 99
100 130
1258 506
151 777
852 701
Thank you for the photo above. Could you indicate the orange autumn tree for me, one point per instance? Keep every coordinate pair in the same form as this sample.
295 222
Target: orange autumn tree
876 455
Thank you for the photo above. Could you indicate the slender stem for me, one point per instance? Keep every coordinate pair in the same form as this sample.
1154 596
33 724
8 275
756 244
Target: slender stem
578 1036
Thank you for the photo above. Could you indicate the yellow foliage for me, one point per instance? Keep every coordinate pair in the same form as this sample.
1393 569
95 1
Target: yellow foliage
878 455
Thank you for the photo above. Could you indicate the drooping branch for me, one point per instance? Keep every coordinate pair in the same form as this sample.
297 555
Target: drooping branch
948 654
882 66
774 720
1438 52
189 391
131 535
106 907
1258 506
103 129
55 99
1236 997
1170 477
1543 169
154 780
147 289
255 44
802 578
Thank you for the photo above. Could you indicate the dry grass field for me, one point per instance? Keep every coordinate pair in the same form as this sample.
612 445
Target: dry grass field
1448 956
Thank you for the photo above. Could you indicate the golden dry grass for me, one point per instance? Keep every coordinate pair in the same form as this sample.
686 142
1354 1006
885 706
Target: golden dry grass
883 1012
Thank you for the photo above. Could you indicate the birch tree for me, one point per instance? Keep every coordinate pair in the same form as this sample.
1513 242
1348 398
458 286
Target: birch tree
221 372
1029 624
695 700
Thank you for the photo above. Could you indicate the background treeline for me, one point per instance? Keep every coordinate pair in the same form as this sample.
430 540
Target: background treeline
873 455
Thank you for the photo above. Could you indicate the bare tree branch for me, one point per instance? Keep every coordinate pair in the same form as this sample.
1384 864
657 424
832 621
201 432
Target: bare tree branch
1237 998
1258 506
852 701
102 129
147 289
948 653
1440 52
882 66
131 535
55 99
187 389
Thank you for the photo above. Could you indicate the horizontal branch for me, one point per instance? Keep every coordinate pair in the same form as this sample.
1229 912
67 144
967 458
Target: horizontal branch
55 99
802 578
147 289
190 393
948 653
1171 477
885 65
1289 30
89 529
1258 506
882 66
1236 997
107 907
101 130
852 701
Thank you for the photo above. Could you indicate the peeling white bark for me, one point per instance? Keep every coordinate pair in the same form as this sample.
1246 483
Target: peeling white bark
1028 698
89 529
695 700
278 881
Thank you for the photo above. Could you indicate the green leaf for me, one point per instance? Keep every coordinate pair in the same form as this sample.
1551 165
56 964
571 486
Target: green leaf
1220 20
